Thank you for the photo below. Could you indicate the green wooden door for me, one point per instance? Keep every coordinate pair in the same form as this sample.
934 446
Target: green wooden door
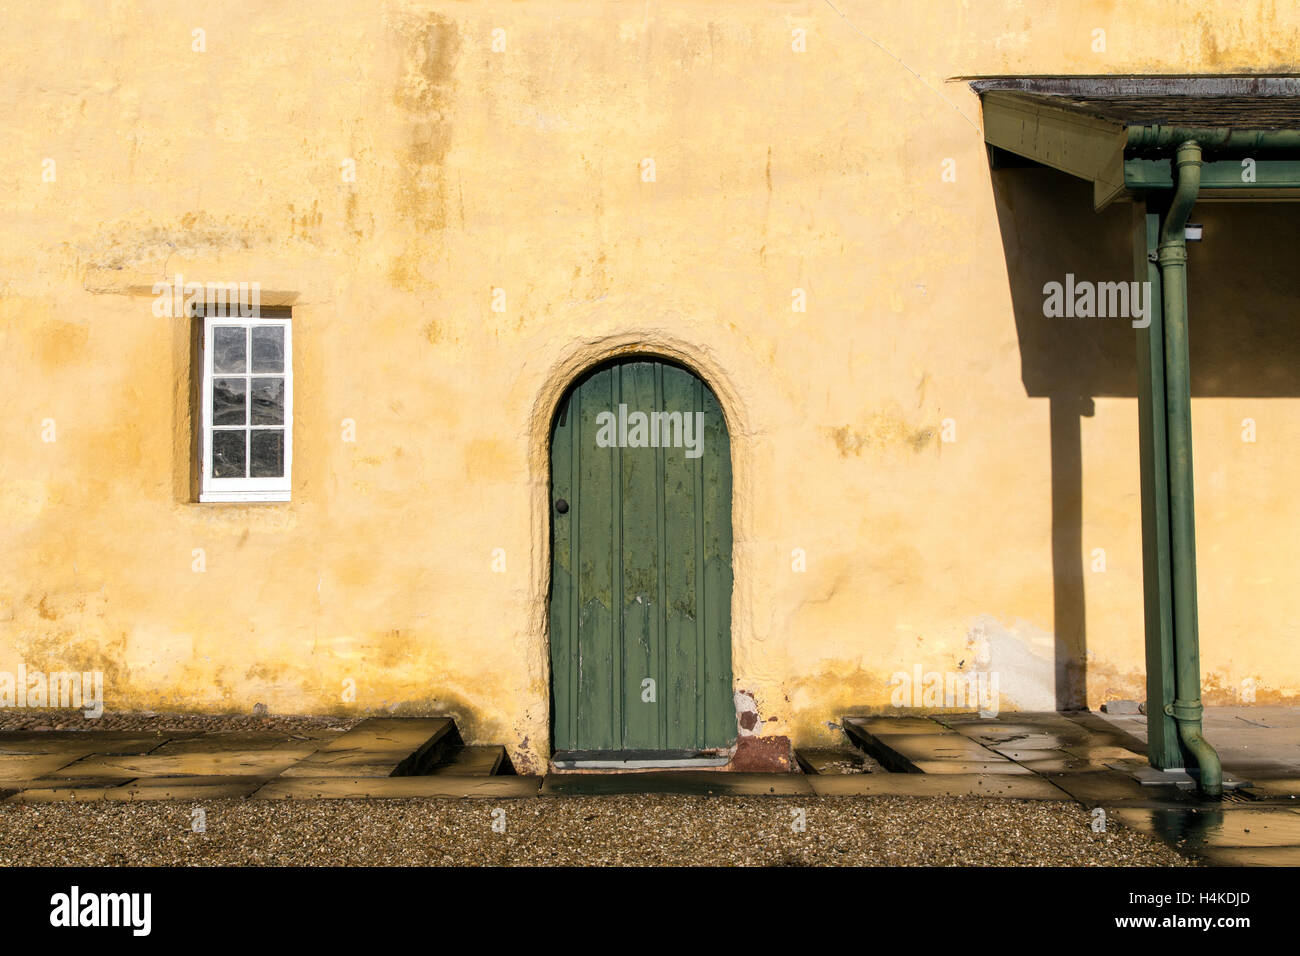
641 564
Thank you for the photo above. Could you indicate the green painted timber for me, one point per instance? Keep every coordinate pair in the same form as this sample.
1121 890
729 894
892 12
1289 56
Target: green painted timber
1234 174
1216 137
1163 750
641 572
1083 146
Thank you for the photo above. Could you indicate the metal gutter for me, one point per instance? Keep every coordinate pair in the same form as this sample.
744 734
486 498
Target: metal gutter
1218 138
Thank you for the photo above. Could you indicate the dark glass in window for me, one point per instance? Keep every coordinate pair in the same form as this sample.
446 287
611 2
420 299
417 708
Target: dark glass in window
268 401
268 454
228 396
228 454
268 348
229 348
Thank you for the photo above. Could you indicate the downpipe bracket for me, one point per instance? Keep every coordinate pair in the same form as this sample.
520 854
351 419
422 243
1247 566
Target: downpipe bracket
1185 710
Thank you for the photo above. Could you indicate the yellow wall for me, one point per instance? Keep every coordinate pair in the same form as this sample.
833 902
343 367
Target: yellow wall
520 169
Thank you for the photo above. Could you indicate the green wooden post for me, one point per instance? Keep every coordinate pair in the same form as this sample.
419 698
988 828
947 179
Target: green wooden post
1163 749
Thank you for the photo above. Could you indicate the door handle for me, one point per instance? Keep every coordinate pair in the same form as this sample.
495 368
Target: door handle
561 506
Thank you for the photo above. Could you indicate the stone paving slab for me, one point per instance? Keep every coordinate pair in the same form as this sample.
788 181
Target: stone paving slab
898 725
1094 789
1024 742
358 763
1034 731
242 740
379 747
153 788
81 742
16 767
1152 777
996 764
217 763
476 761
84 783
1027 736
61 795
311 788
1050 761
390 734
699 782
946 752
1103 753
187 788
935 747
968 717
1002 786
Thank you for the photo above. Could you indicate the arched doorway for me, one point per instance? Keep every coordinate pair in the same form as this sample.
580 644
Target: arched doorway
640 604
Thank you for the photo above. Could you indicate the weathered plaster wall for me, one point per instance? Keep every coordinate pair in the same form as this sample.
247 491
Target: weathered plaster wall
521 170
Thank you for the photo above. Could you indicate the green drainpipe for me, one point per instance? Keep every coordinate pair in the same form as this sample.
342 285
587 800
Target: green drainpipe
1186 708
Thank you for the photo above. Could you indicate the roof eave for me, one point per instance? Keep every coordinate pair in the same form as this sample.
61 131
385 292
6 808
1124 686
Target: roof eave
1108 153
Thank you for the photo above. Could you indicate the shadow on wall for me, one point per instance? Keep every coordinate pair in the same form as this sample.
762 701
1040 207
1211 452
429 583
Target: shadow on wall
1242 286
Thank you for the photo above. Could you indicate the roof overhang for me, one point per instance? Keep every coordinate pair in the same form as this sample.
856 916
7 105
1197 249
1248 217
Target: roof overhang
1119 133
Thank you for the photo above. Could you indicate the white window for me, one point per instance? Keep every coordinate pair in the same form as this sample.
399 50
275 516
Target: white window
247 409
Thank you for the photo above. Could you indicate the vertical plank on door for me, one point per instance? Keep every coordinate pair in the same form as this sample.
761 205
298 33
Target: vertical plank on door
593 515
563 610
682 596
641 546
715 507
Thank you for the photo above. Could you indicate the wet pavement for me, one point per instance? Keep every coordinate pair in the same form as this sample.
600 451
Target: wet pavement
1099 761
1255 743
1230 836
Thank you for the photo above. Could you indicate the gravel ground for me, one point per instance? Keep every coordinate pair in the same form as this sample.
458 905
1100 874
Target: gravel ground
641 830
12 719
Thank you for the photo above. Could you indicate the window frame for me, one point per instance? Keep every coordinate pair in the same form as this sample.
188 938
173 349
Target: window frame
217 490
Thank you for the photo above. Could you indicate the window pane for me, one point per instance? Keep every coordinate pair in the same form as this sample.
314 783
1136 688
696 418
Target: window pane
268 401
268 348
228 348
228 454
268 453
228 401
